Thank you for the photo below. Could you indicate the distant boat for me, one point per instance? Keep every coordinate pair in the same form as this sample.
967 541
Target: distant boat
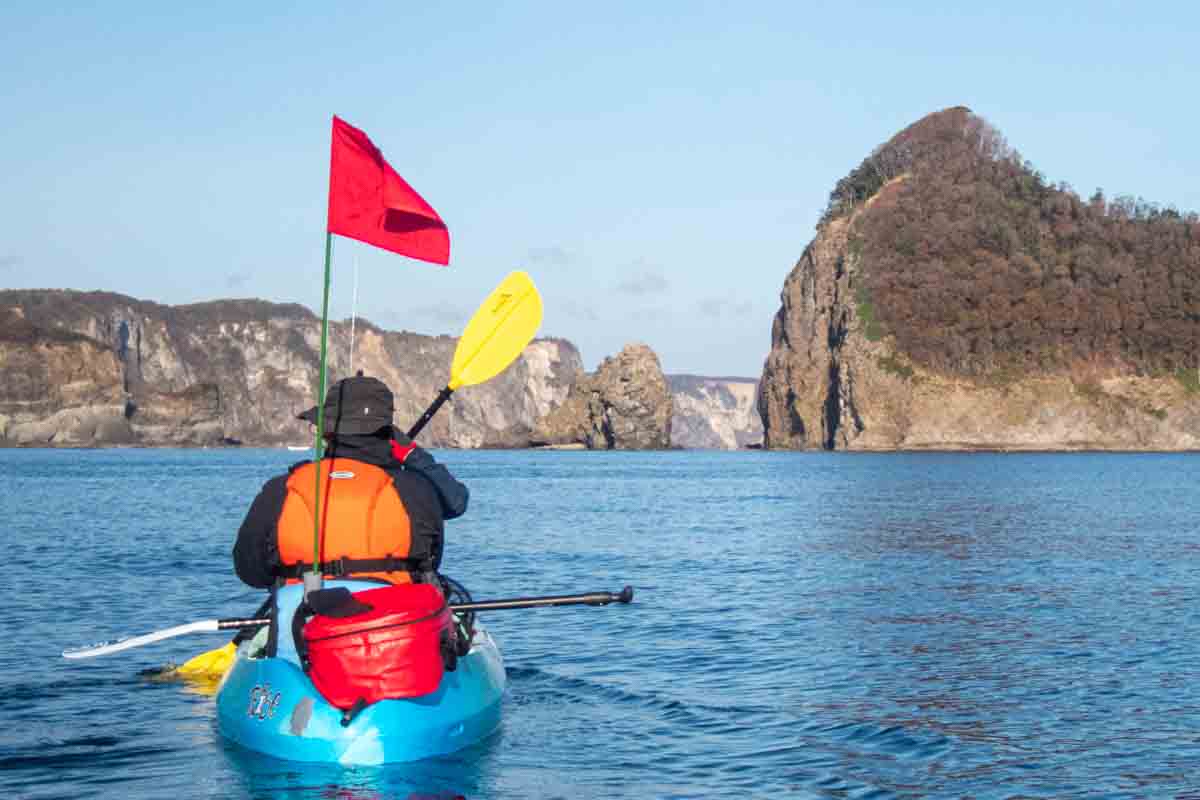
299 447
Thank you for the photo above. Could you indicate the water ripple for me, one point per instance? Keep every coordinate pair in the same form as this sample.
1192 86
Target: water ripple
805 625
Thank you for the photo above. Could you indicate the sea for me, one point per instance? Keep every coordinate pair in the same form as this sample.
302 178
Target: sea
805 625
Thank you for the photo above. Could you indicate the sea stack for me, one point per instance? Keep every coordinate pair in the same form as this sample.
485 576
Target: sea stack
624 405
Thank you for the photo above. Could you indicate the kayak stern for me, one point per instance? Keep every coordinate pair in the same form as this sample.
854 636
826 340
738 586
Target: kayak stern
270 706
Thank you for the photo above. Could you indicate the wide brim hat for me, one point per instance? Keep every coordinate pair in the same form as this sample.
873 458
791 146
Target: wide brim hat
355 405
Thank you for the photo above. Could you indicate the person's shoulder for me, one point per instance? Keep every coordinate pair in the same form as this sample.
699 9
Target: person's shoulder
274 487
275 480
405 478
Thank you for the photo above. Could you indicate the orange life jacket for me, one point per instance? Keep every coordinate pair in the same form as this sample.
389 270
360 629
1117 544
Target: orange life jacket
362 518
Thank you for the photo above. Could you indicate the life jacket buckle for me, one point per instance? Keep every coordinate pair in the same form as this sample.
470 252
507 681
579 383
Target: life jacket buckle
336 568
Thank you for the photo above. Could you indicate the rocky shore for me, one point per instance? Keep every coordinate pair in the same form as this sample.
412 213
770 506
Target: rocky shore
95 369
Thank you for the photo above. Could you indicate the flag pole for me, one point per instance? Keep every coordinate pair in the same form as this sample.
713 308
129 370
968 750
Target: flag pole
353 314
312 581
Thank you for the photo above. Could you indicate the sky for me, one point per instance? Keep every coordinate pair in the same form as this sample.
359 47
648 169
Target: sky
658 168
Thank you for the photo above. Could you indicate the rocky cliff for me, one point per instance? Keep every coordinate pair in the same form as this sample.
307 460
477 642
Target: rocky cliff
714 413
58 387
624 405
954 300
94 368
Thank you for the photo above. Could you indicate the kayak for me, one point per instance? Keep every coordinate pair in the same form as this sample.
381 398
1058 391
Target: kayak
269 705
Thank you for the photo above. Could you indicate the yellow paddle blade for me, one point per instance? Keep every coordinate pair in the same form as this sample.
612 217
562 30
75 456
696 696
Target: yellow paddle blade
209 666
505 322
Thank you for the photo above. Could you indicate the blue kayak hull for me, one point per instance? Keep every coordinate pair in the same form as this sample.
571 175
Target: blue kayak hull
269 705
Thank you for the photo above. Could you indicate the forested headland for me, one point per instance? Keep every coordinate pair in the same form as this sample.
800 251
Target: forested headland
977 264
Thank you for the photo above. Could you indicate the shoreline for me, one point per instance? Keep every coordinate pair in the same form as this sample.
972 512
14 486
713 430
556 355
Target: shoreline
993 449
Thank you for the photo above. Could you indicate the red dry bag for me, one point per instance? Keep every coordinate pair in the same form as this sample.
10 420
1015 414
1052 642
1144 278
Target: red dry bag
392 651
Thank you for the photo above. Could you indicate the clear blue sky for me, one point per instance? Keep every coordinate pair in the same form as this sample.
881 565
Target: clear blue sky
657 167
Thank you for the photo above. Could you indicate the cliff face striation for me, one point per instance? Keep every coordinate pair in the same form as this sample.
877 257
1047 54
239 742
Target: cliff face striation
952 299
624 405
714 413
58 387
94 368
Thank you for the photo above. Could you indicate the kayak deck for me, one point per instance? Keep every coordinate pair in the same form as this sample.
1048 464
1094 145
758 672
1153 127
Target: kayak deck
270 706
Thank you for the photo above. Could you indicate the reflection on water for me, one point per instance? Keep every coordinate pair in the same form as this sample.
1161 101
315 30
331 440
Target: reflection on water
263 777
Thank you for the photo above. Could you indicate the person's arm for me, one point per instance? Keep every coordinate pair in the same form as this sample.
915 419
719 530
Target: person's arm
256 552
452 494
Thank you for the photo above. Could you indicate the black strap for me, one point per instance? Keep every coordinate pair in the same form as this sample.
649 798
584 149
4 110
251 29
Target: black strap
353 711
299 620
348 566
273 629
336 602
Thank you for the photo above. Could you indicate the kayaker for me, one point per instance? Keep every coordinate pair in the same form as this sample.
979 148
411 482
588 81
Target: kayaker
383 501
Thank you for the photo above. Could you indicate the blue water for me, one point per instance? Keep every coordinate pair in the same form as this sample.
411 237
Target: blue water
806 625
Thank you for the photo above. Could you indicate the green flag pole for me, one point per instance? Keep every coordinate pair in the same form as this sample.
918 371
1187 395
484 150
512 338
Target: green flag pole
312 581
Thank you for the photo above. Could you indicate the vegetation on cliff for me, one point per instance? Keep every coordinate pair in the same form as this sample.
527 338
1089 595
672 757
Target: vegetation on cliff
975 263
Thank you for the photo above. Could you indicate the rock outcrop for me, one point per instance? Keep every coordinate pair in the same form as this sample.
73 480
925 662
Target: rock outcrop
714 413
624 405
95 368
856 364
58 387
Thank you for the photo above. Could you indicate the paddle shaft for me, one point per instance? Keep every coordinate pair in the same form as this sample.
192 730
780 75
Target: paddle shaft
230 624
211 625
591 599
442 397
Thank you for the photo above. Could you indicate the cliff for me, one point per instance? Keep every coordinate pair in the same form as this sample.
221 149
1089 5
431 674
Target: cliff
953 299
95 368
714 413
624 405
58 387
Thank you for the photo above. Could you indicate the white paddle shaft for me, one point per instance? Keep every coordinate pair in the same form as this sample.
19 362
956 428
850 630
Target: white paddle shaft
203 626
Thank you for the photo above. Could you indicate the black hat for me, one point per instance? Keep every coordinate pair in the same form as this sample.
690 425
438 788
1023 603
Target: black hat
355 405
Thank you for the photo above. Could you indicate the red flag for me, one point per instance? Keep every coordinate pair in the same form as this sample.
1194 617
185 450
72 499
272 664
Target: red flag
369 202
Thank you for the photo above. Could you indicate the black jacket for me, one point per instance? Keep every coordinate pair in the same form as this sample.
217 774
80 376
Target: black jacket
429 492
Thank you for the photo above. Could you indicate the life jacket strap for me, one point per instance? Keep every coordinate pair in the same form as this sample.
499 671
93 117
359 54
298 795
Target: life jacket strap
339 567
